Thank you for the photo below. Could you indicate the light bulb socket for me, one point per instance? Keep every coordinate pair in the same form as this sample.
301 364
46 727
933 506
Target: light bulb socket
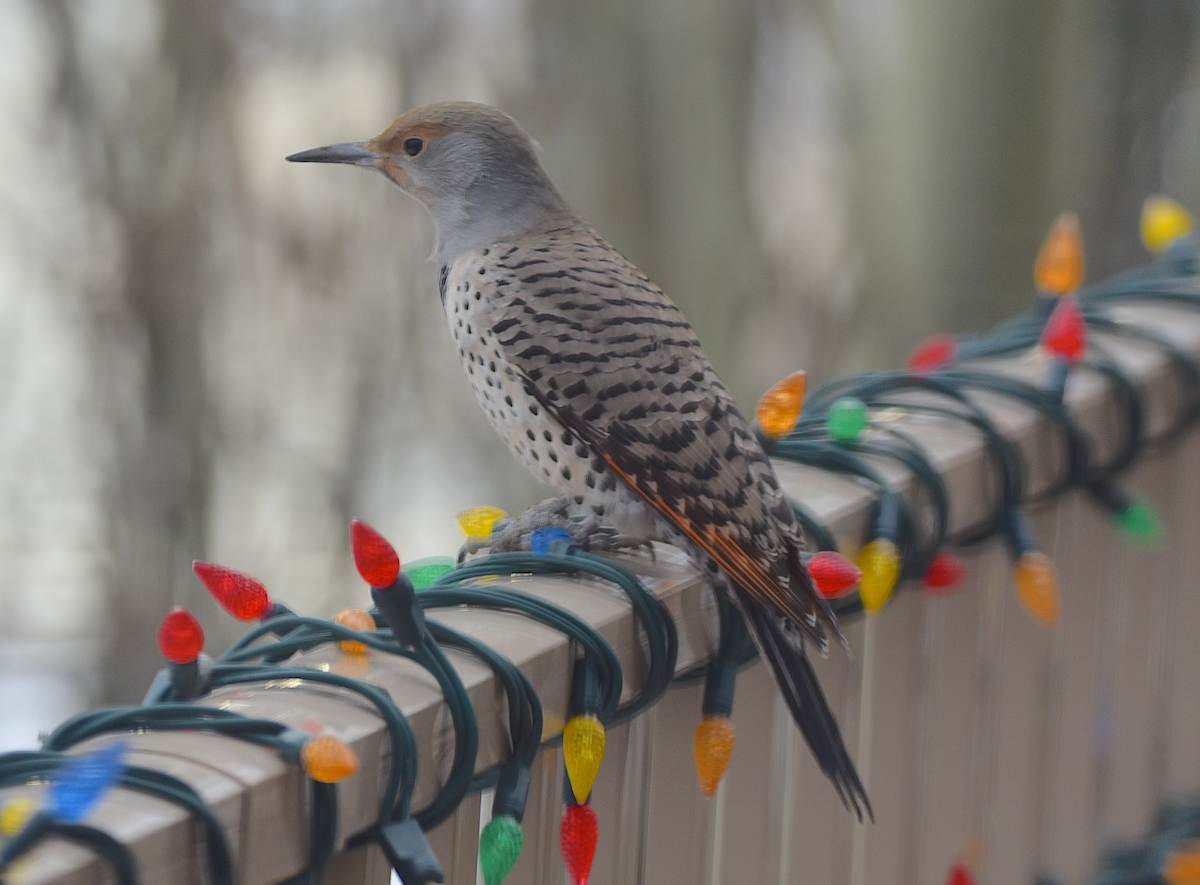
719 683
1019 531
886 522
190 680
1180 257
568 792
1111 496
290 743
1043 306
767 442
585 687
409 853
512 791
274 610
158 687
402 611
1056 378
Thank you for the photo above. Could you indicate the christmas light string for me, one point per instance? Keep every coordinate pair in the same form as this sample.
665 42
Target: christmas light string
837 427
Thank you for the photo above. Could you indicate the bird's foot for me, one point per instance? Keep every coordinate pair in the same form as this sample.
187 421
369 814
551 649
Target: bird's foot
516 534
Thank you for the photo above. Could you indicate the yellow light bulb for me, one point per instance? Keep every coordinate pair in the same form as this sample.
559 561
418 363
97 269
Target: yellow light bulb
355 619
1037 587
713 745
477 522
583 749
328 760
1163 222
15 815
779 409
1183 864
1059 267
879 561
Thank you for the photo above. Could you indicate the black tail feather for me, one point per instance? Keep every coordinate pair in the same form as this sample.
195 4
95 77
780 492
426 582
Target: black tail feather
796 680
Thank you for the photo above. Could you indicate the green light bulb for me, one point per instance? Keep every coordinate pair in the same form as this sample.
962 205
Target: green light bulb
1140 523
847 419
423 572
499 847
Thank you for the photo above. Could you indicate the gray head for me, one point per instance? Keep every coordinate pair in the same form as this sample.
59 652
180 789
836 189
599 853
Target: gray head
471 165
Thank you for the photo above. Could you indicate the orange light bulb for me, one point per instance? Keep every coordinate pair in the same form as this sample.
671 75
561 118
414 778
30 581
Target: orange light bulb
1183 864
1060 264
328 760
713 747
779 408
1037 587
355 619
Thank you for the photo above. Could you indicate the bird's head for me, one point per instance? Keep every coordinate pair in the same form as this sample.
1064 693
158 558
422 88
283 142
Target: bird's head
473 167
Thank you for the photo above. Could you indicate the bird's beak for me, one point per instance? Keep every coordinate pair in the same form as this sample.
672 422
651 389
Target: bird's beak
356 153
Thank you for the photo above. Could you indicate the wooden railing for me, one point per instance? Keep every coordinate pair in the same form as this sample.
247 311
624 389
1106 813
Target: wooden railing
977 733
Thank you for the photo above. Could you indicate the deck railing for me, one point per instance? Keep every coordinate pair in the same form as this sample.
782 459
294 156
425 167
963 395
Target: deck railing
978 733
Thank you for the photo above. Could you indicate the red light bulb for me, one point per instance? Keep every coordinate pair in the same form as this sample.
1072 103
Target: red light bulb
960 874
374 557
577 834
833 574
239 594
1065 333
946 571
180 636
932 354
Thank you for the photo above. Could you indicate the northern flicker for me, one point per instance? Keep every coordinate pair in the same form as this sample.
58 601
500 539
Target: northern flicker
598 385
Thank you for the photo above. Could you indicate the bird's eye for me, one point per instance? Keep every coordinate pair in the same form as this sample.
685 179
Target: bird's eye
412 146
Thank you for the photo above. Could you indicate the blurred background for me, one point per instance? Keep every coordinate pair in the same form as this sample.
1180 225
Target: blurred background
206 352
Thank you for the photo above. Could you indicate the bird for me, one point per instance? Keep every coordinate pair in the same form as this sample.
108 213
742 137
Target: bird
599 386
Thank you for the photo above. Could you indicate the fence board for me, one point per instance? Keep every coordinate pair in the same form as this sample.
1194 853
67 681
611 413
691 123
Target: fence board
1134 587
817 844
1069 794
1182 715
1016 653
948 818
748 792
891 680
455 841
679 812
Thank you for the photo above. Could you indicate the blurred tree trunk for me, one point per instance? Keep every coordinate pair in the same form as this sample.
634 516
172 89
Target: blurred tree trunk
157 178
648 114
161 493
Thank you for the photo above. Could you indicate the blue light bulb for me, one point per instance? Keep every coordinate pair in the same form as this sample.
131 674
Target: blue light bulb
79 785
541 540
